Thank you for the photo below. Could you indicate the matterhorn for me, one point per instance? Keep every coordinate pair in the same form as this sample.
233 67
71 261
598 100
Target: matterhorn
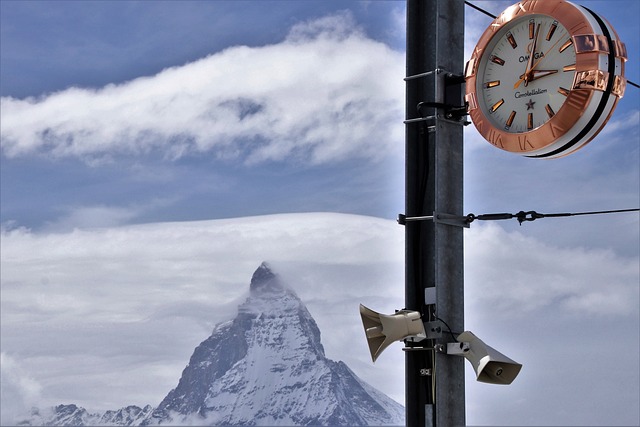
266 367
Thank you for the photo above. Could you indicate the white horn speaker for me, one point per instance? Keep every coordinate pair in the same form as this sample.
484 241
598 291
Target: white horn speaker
382 330
490 365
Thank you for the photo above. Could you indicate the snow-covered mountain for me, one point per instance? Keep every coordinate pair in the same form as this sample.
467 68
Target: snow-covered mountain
72 415
265 367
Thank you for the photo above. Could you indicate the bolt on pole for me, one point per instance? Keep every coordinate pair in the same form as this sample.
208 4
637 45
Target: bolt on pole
434 382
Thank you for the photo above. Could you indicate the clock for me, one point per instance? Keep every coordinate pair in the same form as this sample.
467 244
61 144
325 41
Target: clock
544 78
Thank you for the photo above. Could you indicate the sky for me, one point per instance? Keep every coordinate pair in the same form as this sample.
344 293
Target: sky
153 154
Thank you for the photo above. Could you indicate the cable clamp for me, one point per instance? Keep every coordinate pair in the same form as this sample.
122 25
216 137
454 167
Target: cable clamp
440 218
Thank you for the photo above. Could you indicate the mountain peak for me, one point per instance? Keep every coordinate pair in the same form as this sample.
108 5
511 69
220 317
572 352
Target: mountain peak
264 279
266 366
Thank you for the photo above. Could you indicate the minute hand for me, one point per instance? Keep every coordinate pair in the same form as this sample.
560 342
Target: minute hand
536 74
530 65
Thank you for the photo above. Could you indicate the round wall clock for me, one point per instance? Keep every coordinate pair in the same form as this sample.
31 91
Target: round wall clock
544 78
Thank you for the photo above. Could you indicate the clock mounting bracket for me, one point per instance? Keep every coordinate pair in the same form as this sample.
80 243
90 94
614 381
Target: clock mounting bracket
449 97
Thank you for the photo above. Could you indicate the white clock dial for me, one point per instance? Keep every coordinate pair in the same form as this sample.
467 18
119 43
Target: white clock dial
544 78
526 74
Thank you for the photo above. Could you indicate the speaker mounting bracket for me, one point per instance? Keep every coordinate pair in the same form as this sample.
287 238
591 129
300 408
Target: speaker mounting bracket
455 348
433 330
418 348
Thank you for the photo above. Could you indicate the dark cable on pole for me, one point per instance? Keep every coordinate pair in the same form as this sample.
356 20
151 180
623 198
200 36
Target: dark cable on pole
479 9
633 84
522 216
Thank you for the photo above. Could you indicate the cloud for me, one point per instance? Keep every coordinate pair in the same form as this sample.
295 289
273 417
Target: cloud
101 216
94 300
90 313
323 94
93 216
623 128
19 391
519 276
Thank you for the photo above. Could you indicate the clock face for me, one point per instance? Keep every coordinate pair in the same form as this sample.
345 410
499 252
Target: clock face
526 74
544 78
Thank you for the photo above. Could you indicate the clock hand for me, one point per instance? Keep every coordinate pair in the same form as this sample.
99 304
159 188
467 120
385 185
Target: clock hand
531 57
536 74
515 86
522 78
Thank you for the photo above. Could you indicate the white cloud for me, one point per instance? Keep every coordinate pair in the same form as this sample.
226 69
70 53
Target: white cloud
19 392
325 93
93 216
90 313
101 216
623 127
398 27
96 299
519 276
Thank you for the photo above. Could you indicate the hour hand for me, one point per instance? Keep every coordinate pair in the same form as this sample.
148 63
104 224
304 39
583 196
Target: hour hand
533 75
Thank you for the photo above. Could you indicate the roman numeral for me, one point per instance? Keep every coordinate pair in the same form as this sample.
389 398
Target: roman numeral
556 130
526 5
524 143
495 138
580 27
577 99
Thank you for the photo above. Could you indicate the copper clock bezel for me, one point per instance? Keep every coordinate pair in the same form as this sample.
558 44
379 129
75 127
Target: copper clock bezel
587 76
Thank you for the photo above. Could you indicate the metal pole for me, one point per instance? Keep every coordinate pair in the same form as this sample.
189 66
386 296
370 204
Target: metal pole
434 383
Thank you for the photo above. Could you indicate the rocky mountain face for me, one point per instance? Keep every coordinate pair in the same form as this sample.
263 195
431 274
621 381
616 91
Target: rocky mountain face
265 367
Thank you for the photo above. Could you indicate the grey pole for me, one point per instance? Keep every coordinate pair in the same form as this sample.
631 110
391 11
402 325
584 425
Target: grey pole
434 383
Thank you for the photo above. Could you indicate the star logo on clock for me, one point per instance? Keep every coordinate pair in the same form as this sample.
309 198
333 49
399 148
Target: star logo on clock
530 105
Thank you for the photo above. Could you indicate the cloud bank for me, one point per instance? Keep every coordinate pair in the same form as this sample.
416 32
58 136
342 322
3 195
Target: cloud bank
325 93
536 277
92 309
109 317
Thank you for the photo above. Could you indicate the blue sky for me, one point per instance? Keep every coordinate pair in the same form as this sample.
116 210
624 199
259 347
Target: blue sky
120 42
51 47
117 115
